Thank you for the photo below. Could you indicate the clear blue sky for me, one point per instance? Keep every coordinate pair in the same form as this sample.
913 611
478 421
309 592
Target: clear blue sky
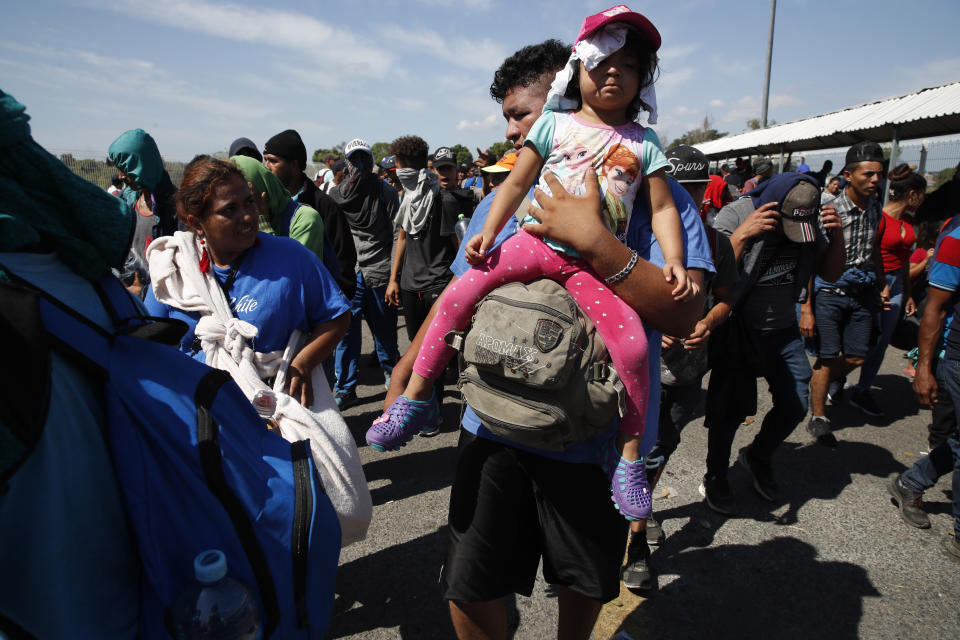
199 73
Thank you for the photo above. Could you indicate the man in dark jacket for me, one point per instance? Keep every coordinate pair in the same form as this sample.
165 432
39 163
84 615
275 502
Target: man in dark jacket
286 157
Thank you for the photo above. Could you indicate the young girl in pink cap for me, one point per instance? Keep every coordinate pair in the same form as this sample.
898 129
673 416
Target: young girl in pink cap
591 121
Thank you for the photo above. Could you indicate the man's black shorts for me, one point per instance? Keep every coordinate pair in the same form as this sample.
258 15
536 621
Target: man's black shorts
509 508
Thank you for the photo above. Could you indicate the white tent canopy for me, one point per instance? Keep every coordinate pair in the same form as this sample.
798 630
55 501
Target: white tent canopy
925 113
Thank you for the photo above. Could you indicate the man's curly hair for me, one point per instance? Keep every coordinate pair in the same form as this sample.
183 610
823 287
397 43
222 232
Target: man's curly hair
411 151
528 66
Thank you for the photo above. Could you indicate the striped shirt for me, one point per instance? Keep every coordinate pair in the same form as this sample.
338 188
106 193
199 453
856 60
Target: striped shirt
859 230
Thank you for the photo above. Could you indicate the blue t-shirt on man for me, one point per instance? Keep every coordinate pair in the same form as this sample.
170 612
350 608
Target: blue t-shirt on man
280 286
640 237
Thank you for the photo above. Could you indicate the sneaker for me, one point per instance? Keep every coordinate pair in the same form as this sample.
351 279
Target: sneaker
429 433
835 390
402 420
952 547
628 486
386 381
346 399
820 429
636 574
716 492
762 475
910 503
654 532
864 401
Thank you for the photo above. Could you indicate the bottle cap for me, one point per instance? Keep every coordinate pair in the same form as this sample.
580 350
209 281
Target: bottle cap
265 402
210 566
459 216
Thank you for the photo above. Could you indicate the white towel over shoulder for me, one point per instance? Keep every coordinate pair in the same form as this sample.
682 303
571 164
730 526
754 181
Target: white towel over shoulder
225 340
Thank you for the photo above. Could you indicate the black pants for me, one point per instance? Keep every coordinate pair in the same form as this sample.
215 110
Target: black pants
416 306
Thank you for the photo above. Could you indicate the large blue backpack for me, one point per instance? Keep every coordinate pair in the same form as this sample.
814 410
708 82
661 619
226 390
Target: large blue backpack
198 470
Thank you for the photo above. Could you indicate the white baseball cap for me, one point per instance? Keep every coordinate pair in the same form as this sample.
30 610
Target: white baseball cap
357 144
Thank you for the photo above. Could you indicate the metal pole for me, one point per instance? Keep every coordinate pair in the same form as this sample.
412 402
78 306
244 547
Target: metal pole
781 159
894 155
766 77
922 167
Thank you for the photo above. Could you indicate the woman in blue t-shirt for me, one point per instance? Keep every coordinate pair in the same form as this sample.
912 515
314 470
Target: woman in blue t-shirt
273 286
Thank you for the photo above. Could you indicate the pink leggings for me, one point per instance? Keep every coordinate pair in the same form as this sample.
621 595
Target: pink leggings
524 257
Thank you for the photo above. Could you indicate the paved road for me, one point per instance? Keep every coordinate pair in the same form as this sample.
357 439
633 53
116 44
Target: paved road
831 559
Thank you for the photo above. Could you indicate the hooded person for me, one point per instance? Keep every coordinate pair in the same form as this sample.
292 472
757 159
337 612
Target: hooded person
370 205
60 233
137 157
283 216
150 193
245 147
778 243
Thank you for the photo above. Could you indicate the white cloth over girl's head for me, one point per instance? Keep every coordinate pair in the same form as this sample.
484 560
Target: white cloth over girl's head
592 50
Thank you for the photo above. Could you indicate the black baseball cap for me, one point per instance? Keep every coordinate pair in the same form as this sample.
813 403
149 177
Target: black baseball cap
763 165
688 164
864 151
444 157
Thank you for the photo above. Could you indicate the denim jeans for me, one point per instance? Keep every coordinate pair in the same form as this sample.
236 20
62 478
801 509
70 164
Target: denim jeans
382 319
787 371
945 457
888 323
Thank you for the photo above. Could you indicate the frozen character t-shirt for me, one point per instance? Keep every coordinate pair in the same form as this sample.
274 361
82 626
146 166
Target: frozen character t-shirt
620 156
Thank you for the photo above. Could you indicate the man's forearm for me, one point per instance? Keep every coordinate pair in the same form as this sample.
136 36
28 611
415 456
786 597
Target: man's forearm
645 289
931 326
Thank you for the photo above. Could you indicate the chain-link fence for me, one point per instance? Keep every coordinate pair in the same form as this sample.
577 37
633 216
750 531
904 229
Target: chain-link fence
93 166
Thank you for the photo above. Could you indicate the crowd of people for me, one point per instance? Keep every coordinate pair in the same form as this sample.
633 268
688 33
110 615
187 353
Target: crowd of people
743 272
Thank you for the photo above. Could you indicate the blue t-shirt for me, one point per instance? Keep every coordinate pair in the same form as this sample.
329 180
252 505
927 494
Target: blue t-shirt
639 237
280 286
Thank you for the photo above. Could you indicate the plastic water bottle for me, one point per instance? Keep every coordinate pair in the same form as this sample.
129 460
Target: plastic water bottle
219 607
265 402
461 227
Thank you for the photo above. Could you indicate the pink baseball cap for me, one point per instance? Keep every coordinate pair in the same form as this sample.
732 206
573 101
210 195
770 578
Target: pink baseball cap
620 13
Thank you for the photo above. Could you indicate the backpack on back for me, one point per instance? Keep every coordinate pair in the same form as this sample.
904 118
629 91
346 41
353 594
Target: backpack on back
535 370
198 469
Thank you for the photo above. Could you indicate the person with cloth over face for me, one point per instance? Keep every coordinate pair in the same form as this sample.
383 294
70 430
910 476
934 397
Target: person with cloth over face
778 245
369 205
150 193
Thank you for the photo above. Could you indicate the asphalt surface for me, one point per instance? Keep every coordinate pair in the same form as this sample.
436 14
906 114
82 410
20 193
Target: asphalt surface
831 558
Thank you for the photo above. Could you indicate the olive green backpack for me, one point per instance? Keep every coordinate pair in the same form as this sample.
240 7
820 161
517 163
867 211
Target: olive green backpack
534 368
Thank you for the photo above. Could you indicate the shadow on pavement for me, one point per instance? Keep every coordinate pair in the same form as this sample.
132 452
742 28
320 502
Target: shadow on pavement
804 472
777 589
894 394
410 474
395 587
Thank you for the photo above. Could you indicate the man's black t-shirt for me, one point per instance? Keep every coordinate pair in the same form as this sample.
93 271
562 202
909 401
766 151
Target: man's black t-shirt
427 258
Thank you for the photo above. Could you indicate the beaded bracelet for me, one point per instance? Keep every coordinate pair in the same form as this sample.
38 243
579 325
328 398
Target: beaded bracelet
623 273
